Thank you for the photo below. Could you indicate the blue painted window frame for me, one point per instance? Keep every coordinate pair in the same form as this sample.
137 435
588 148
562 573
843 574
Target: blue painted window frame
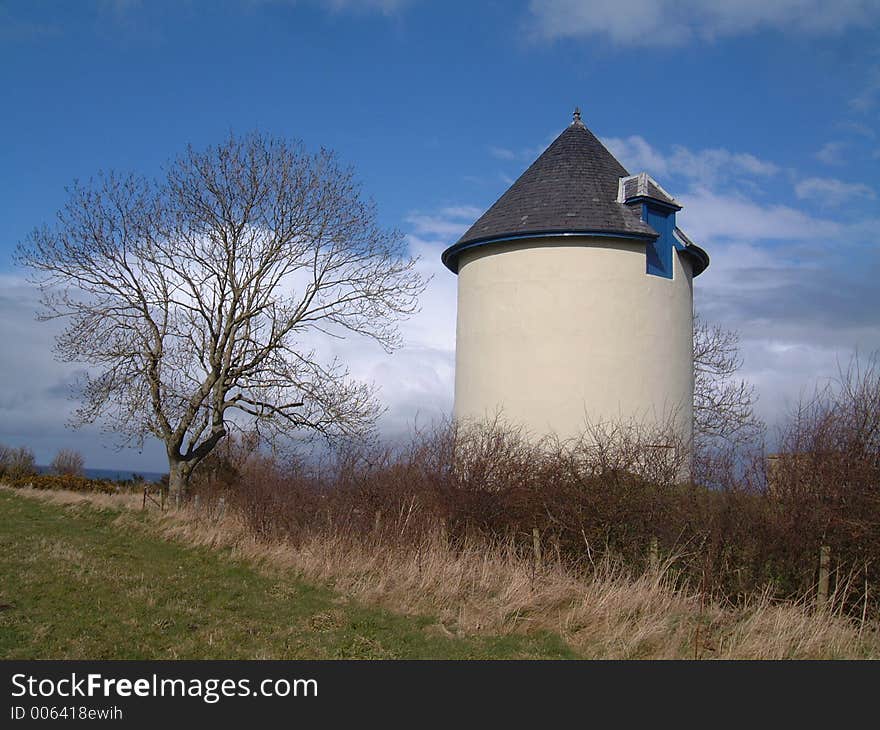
659 251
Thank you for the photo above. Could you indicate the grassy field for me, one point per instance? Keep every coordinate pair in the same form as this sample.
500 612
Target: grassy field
92 576
77 582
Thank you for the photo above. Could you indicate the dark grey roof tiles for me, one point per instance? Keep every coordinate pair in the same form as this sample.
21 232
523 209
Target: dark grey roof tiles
571 187
658 193
630 187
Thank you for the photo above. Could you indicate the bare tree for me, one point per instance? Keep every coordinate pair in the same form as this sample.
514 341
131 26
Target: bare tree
68 463
723 403
191 297
17 463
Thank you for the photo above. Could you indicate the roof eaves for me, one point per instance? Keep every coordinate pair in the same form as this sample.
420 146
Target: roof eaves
700 257
450 256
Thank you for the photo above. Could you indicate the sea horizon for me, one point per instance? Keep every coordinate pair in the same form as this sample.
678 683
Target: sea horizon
115 475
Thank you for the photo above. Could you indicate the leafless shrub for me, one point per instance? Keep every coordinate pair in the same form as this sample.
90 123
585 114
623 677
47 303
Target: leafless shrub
611 495
16 463
825 478
68 463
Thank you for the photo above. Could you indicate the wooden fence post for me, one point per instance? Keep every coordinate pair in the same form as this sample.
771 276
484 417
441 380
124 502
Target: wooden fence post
221 505
536 546
653 554
145 499
197 503
824 574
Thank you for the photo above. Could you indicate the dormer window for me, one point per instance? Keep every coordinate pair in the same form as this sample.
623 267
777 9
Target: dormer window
657 209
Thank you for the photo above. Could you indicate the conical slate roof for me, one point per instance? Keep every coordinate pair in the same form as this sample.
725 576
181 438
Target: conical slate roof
571 188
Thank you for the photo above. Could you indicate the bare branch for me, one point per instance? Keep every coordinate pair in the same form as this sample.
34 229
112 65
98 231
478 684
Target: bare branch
723 404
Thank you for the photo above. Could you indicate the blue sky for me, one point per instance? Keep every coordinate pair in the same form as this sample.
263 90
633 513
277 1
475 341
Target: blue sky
760 116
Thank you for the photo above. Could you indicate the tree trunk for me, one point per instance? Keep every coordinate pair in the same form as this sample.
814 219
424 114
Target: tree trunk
178 479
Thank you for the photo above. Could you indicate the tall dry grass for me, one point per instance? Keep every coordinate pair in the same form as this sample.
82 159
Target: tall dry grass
472 587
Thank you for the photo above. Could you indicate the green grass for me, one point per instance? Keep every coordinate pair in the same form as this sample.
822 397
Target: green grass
75 584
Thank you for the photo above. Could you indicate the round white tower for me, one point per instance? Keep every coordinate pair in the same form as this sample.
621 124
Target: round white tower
575 298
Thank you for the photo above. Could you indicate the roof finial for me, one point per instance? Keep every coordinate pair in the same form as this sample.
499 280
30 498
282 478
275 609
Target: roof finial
576 117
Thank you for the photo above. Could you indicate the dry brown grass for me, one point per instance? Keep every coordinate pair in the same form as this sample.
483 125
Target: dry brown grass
471 588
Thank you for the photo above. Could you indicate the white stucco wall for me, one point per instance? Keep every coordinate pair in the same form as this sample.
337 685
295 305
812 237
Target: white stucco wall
554 333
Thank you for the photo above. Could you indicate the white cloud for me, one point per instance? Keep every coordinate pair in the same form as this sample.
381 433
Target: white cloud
637 155
502 153
798 316
464 215
800 308
446 224
711 166
711 215
715 182
862 130
868 97
386 7
415 383
832 191
673 22
433 225
523 154
831 153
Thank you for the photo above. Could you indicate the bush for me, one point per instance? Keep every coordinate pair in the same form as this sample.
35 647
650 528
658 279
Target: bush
68 463
734 532
16 463
65 482
826 481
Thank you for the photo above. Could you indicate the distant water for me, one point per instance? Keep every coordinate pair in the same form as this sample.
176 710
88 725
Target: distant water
114 475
